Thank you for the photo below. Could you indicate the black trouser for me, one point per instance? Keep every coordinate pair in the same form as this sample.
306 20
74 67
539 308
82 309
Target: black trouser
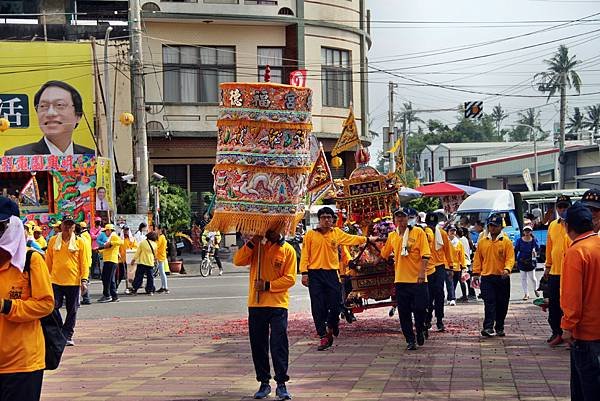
495 291
412 300
120 274
554 311
139 278
585 370
324 290
435 283
71 295
95 272
260 320
109 287
21 386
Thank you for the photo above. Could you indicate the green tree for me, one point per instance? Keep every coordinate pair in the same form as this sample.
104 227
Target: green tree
559 77
592 118
575 124
530 123
498 115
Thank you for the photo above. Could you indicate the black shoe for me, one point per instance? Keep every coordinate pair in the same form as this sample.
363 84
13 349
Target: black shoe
263 391
160 290
115 299
487 332
420 338
441 328
282 393
472 297
500 333
411 347
86 302
335 330
426 334
479 296
462 299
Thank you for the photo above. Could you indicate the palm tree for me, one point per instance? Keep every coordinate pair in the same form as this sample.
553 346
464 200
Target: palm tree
409 116
560 76
575 124
592 118
498 115
529 125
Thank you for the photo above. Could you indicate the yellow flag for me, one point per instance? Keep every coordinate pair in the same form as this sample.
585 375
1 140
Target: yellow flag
394 148
349 137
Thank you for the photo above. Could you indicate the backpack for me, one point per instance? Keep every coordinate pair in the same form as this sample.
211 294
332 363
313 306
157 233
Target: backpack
54 338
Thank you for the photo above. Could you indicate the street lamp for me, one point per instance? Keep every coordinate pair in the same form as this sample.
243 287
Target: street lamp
535 159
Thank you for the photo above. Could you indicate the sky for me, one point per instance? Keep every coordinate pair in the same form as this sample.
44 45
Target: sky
405 33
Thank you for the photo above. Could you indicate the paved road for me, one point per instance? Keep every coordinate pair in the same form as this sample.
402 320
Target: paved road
190 294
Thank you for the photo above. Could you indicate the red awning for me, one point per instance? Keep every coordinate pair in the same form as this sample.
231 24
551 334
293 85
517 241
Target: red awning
442 189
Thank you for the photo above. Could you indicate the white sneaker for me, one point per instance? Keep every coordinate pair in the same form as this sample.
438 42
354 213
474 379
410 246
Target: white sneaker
220 272
526 297
453 303
447 303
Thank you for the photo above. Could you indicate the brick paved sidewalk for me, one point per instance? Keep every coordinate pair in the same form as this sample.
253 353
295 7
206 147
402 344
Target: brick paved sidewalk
205 358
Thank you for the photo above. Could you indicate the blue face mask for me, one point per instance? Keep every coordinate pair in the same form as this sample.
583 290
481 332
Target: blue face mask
412 222
563 215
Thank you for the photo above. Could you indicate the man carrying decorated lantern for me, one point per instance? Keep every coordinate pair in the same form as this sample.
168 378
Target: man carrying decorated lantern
411 256
319 265
272 274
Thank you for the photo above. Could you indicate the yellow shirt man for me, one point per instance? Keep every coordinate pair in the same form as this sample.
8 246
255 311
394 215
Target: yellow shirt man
110 253
67 261
557 243
407 262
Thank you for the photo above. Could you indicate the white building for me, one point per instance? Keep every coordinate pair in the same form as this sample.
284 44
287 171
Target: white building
435 158
191 46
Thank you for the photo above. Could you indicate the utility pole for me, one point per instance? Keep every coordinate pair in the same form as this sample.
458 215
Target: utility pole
109 122
392 126
139 109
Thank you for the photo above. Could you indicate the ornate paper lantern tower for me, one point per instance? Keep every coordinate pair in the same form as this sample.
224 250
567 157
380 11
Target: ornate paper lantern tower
263 157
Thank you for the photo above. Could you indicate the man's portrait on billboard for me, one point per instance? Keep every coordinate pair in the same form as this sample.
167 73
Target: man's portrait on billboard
59 109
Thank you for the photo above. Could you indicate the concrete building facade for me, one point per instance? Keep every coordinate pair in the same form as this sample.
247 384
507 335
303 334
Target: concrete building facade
190 47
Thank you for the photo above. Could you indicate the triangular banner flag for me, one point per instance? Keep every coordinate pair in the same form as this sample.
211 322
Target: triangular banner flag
315 196
349 137
320 175
30 194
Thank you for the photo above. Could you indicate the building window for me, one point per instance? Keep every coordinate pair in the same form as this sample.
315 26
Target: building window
336 76
441 162
273 57
426 165
193 74
469 159
261 2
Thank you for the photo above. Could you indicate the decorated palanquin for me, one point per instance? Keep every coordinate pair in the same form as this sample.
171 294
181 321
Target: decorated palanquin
50 186
263 157
369 197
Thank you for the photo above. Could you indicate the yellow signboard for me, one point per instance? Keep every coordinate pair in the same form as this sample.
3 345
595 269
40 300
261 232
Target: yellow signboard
103 184
60 76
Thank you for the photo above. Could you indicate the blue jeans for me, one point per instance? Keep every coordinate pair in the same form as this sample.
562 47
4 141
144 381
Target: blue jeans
585 370
450 289
163 276
268 329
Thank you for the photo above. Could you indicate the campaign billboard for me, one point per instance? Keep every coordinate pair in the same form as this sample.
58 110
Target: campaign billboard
47 95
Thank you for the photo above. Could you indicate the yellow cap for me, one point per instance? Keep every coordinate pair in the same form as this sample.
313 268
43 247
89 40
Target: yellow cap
82 224
109 227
